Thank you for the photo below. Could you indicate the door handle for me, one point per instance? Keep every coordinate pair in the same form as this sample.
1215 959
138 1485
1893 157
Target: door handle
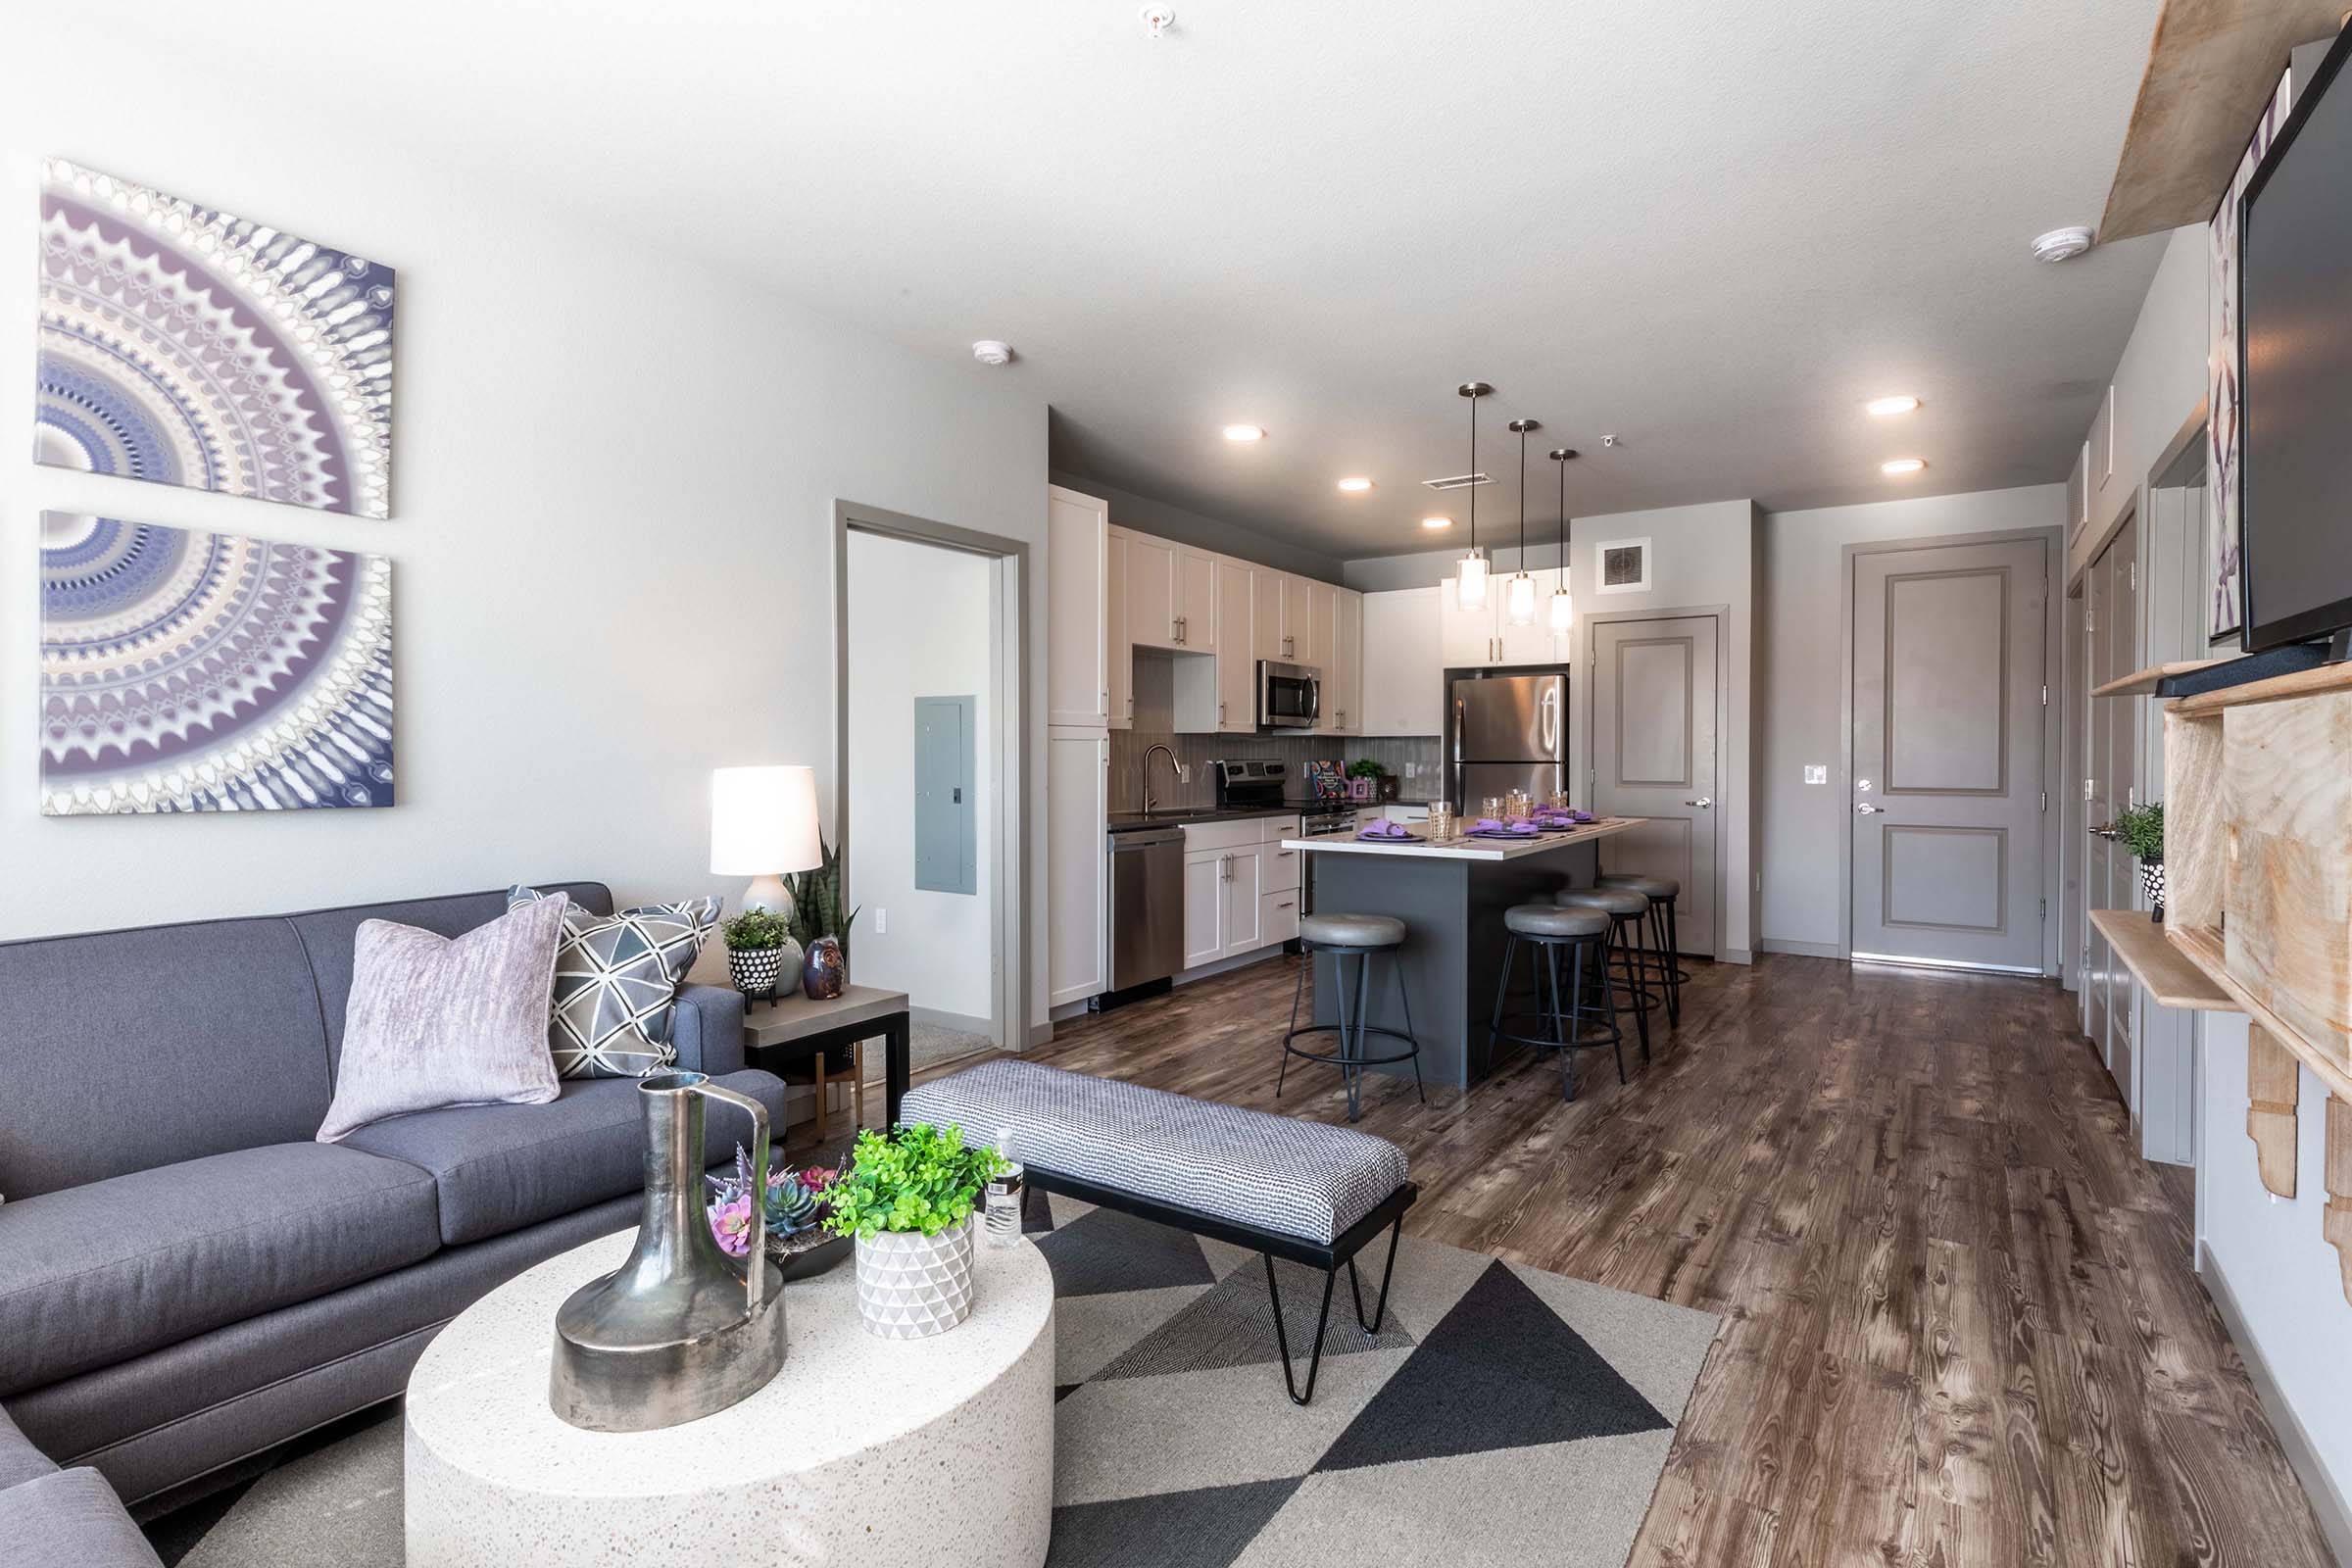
1870 810
1703 802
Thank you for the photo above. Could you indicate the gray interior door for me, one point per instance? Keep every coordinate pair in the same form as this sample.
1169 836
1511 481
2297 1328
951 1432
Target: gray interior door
1947 804
1654 755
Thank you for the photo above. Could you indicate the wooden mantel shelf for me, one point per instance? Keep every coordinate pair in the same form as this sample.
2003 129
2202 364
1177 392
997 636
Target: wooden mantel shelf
2315 682
2143 682
2172 977
2202 946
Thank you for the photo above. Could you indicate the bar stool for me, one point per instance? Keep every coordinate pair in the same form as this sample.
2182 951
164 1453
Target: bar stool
1358 937
1549 928
1626 911
1662 890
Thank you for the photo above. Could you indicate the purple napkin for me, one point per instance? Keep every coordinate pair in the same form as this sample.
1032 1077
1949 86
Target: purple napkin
1384 829
1487 824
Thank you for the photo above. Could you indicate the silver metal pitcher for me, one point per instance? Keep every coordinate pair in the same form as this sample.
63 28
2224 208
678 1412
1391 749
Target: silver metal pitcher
677 1332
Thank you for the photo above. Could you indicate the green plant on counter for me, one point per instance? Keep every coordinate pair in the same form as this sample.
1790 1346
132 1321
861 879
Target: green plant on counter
2142 831
924 1179
755 931
816 902
1365 767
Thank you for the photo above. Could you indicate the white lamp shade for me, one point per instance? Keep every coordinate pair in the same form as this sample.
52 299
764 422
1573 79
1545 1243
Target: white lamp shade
1470 581
763 821
1563 609
1519 600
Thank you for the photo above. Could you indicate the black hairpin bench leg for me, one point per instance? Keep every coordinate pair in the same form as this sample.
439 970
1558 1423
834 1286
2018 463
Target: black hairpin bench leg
1331 1276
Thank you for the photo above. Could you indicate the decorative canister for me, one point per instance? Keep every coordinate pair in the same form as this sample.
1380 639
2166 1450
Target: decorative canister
762 974
911 1286
2151 882
825 972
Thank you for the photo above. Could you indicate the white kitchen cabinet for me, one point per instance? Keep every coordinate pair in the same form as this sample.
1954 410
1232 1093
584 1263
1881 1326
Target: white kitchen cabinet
1404 680
1278 869
1077 864
1240 888
1195 601
1242 908
1278 919
1298 620
1343 649
1154 591
1532 644
1236 601
1466 637
1117 643
1266 640
1204 906
1322 621
1484 637
1077 610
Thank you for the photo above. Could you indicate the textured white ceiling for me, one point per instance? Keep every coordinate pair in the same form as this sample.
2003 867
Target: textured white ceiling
1710 229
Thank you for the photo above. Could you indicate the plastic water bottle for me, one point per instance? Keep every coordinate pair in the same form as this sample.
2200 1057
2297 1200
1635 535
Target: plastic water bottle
1004 1200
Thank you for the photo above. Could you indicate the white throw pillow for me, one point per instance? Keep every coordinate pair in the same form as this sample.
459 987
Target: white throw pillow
437 1022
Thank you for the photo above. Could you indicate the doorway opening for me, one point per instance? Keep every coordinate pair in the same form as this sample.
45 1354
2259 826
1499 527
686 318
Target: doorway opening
929 708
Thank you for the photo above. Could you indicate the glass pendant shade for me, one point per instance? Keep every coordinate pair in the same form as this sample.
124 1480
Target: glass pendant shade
1470 581
1519 600
1563 609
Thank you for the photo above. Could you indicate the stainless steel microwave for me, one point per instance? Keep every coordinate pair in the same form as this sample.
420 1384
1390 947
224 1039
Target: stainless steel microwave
1288 696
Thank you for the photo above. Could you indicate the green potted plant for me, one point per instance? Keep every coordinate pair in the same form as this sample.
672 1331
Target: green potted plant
820 925
763 959
2141 830
908 1200
1369 781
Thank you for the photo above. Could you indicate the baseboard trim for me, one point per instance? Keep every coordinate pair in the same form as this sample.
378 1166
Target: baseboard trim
2318 1486
1801 949
961 1023
1040 1033
1734 955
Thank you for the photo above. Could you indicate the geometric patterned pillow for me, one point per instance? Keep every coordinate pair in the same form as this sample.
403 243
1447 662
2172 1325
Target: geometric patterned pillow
616 984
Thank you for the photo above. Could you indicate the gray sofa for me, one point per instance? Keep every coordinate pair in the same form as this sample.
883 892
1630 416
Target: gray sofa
186 1277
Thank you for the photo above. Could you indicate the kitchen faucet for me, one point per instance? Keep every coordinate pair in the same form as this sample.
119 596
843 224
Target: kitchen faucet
1184 774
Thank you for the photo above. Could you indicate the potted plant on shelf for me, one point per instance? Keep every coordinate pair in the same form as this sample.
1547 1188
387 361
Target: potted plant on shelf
1369 781
908 1200
796 1208
763 959
2141 830
820 926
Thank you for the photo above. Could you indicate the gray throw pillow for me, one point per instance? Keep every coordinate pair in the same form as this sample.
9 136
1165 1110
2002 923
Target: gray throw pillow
616 983
438 1022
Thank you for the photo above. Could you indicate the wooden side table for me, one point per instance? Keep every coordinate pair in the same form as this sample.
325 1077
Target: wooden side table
781 1034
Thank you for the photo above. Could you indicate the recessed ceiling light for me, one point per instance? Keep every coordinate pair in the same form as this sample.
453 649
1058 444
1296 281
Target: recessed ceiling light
1437 522
1903 465
2061 244
1886 406
1245 433
1355 484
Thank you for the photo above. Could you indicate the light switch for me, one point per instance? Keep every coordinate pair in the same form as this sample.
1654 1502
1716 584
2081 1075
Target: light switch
881 921
1817 772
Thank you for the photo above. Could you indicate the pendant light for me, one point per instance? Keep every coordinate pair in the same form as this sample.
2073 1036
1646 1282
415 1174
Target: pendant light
1519 598
1563 603
1470 572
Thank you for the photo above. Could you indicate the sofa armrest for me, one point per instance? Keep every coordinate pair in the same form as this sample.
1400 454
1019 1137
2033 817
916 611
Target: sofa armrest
72 1516
705 1028
19 1460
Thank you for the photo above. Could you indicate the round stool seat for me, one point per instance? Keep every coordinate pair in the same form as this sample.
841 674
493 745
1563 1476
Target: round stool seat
1611 901
1650 887
1352 930
1551 920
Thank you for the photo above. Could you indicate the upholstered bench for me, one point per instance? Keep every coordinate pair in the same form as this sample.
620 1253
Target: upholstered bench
1299 1191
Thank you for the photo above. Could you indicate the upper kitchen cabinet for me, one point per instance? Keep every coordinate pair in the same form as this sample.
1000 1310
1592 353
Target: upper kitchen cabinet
1078 613
1343 664
1466 637
1172 595
1236 641
1119 643
1404 670
1297 620
1266 637
1320 639
1485 636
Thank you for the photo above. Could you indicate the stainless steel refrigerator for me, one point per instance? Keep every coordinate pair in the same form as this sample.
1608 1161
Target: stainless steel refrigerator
1510 732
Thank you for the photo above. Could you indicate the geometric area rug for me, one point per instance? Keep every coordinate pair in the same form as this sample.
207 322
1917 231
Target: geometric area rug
1501 1415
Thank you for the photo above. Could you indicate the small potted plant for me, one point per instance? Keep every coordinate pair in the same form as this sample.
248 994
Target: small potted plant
1368 781
796 1206
908 1200
763 959
2142 831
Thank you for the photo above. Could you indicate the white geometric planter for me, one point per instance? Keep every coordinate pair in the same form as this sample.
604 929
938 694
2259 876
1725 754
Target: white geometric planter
911 1286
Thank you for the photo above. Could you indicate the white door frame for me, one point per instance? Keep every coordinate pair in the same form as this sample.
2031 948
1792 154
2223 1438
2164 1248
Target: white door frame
2053 715
1009 824
1721 615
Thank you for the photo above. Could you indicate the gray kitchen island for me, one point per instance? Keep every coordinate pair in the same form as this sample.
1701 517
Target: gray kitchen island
1451 893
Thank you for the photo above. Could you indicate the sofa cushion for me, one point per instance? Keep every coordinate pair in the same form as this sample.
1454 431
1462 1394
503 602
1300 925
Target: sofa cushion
502 1167
326 936
71 1517
129 1049
99 1272
19 1460
616 984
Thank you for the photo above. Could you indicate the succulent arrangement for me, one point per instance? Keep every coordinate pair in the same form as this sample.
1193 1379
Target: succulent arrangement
924 1179
795 1202
757 931
817 895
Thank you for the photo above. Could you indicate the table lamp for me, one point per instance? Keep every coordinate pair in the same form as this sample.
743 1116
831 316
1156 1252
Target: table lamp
762 824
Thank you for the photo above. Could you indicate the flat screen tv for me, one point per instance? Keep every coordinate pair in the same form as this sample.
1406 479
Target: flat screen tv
2295 368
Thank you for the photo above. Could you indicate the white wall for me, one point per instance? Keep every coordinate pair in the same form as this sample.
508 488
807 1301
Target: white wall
1800 702
614 473
919 626
2158 381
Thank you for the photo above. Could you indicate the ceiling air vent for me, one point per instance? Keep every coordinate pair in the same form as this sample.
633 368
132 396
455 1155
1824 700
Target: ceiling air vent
1460 481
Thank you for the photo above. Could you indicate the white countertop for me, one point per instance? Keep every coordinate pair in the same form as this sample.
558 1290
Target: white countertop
1460 848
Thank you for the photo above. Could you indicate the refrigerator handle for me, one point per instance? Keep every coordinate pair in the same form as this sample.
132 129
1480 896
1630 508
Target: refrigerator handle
1551 718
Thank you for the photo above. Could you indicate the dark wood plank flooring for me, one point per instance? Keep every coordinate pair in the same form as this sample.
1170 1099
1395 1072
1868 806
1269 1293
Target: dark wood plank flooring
1960 1322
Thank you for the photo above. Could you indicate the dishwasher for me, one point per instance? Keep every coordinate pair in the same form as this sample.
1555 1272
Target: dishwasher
1147 909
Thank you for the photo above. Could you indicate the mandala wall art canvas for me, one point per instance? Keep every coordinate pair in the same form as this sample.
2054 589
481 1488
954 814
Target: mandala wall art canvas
188 672
185 346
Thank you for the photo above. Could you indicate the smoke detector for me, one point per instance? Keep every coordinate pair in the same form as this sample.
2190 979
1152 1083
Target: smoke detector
2061 244
987 351
1156 20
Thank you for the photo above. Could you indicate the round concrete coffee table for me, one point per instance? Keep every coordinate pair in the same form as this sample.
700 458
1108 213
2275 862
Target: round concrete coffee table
862 1450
